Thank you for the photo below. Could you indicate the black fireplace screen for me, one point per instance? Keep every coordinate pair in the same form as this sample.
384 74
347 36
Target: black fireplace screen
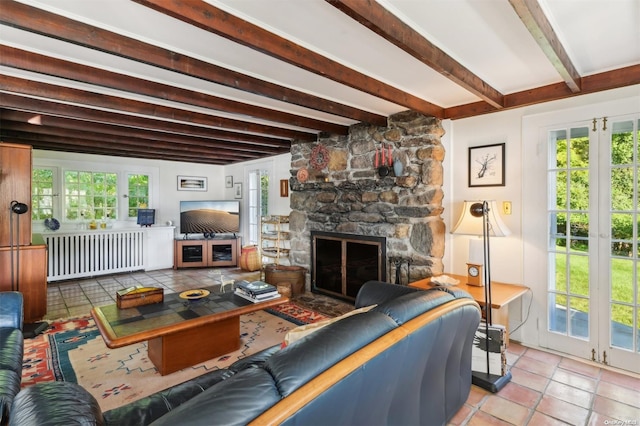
342 263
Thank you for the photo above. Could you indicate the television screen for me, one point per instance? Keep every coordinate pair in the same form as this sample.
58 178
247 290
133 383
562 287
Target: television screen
209 217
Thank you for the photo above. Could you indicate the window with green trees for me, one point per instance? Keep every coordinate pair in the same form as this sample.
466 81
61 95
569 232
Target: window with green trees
42 194
138 193
90 195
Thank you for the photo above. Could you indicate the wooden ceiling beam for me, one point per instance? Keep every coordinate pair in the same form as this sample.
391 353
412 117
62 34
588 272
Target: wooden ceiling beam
219 22
384 23
607 80
108 133
40 106
32 19
534 19
84 97
53 143
119 143
29 61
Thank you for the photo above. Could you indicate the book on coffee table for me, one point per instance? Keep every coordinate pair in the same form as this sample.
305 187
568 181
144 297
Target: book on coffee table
255 299
256 288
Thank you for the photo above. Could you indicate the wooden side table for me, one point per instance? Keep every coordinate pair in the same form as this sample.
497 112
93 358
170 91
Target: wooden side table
501 295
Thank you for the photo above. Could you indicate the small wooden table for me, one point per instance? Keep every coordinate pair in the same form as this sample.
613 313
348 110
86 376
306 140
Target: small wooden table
181 333
501 295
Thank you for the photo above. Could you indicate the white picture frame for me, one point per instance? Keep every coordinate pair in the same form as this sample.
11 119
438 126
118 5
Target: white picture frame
192 183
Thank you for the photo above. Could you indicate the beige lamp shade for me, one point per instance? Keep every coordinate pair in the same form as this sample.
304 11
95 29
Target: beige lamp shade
470 222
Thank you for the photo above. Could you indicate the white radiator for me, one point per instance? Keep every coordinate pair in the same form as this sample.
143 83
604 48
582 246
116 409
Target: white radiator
74 255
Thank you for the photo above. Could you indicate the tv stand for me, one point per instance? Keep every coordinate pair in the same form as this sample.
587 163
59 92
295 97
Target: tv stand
206 252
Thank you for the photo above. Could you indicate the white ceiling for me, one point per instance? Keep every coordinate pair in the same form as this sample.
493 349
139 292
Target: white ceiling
487 37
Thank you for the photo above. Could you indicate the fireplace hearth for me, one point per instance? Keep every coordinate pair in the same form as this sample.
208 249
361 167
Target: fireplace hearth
342 263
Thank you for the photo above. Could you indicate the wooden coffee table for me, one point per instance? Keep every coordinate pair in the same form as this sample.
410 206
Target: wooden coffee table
181 333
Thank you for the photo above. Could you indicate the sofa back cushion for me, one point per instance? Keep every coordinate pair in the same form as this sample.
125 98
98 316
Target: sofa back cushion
297 364
408 306
234 401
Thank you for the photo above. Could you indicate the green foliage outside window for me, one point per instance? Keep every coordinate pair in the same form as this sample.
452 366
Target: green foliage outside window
622 195
90 195
41 194
138 194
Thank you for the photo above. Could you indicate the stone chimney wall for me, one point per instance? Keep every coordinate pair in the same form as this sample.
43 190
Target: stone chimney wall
348 195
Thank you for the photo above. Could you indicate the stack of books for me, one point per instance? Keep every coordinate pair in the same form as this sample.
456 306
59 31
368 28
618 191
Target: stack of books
256 291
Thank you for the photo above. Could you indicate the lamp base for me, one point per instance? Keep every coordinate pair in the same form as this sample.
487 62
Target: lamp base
491 382
30 331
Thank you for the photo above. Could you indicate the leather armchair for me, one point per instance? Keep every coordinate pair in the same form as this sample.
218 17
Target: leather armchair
11 349
11 310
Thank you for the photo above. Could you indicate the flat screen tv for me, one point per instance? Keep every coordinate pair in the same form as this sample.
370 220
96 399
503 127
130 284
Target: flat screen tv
209 217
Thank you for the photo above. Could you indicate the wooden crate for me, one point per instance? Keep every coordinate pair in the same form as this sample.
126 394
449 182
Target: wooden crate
138 296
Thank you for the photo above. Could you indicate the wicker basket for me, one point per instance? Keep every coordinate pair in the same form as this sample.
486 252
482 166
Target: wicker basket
276 274
250 259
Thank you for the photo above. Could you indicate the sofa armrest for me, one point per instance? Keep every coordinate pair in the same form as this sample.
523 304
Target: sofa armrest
55 403
11 309
378 292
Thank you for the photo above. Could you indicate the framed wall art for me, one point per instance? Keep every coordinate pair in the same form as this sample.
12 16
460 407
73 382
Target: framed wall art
237 190
284 188
192 183
228 182
486 165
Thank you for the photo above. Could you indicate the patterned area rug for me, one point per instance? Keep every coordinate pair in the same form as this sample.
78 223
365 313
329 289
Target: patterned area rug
73 351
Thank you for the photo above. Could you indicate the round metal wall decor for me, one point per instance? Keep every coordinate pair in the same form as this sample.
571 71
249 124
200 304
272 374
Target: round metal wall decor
319 157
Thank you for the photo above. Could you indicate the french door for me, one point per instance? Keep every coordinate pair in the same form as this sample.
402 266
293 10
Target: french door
258 201
592 295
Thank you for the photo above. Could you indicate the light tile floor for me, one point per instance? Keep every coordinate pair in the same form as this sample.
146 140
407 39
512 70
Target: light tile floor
546 389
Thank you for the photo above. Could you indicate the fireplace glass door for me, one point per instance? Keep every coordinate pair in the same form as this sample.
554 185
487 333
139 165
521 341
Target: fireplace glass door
342 263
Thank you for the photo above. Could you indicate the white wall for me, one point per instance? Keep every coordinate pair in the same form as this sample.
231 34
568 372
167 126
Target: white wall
166 199
507 253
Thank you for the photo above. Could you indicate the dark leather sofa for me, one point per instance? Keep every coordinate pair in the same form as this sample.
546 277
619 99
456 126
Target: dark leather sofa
11 349
406 361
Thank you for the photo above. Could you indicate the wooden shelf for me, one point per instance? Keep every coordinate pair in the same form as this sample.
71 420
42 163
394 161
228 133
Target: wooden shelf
274 237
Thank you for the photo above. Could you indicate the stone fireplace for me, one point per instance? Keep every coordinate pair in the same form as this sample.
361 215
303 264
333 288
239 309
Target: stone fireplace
347 194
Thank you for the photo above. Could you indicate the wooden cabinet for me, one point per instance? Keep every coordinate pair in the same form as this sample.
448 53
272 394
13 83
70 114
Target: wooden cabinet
206 252
23 265
29 276
15 185
274 238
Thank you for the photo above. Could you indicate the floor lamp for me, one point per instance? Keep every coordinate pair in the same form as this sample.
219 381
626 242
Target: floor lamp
481 218
32 329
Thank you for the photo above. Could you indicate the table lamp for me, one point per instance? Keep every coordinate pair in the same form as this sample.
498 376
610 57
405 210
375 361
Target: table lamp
482 218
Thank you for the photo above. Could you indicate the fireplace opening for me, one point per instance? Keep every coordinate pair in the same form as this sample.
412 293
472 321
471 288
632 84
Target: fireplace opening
342 263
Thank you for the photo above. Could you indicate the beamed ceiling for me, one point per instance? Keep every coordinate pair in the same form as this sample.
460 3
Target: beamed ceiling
225 81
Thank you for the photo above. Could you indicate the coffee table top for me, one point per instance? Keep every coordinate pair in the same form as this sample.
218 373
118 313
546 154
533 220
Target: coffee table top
121 327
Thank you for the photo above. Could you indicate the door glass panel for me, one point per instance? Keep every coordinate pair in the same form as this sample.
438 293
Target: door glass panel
569 216
579 228
622 279
579 317
561 190
621 330
579 275
624 305
557 313
561 273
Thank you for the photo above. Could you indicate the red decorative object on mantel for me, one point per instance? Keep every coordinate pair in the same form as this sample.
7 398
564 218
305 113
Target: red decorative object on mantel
384 157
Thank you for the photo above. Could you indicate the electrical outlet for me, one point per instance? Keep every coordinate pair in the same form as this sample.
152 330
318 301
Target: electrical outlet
506 207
